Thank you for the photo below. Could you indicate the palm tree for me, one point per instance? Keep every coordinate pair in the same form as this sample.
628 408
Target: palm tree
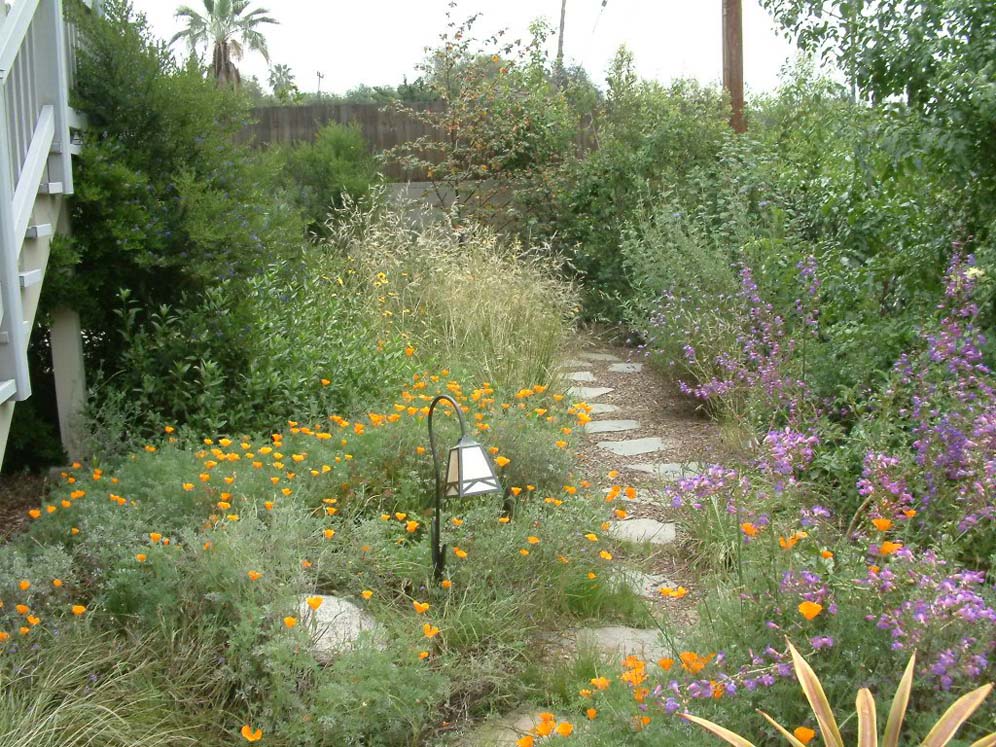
228 26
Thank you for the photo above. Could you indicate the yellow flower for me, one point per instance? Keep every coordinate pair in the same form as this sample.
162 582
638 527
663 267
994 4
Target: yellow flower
251 735
57 583
882 525
423 655
315 602
533 540
24 585
591 713
605 555
141 557
600 683
446 583
328 533
78 609
411 526
366 593
564 729
591 537
560 444
430 631
455 521
523 552
804 734
254 575
34 513
420 607
502 461
462 554
290 622
155 537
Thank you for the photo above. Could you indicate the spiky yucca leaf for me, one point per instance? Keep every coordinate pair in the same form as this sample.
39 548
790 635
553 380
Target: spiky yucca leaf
945 729
867 721
817 699
899 703
939 736
725 734
793 740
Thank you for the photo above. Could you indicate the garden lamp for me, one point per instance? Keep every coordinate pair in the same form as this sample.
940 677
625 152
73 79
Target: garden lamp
468 472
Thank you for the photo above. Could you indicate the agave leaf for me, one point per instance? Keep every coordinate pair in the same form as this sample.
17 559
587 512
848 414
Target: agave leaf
988 741
867 721
725 734
783 731
817 699
899 703
955 716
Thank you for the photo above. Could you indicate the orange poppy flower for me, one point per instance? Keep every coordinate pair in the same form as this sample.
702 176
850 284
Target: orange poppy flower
251 735
420 607
809 610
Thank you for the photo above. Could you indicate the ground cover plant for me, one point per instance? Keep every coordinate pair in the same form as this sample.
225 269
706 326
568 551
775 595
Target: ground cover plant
204 550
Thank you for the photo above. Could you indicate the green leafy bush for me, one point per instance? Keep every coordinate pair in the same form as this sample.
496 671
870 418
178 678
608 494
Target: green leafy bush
319 176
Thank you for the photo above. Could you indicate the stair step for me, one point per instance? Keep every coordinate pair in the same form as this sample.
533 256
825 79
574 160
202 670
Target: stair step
39 232
31 277
50 188
7 390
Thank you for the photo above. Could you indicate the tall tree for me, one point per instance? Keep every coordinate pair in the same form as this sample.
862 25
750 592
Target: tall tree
227 27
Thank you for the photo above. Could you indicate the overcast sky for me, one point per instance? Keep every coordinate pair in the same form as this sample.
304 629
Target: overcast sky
377 42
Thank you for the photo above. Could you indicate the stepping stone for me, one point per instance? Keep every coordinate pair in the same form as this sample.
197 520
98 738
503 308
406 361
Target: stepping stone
600 357
504 731
644 584
644 530
617 642
336 626
669 471
574 364
584 393
635 446
581 376
626 367
611 426
600 408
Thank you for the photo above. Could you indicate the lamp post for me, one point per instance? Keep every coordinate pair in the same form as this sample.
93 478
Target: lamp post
468 472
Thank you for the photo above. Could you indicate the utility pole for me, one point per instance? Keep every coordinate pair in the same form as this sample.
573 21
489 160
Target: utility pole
560 39
733 61
320 76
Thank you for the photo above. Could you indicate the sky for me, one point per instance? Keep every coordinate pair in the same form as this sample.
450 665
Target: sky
378 42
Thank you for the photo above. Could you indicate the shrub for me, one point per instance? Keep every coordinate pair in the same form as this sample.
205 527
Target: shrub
320 176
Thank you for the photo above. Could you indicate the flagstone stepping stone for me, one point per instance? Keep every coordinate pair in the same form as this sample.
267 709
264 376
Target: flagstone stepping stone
644 530
337 625
635 446
581 376
506 730
584 393
611 426
601 408
618 641
574 364
669 471
600 357
644 584
626 367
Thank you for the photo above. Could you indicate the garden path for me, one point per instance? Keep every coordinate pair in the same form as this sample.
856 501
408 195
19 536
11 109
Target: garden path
645 429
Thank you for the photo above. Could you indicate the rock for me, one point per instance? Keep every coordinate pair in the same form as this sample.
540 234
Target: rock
626 367
644 530
584 393
600 408
574 364
611 426
581 376
668 471
505 730
635 446
599 357
616 642
337 625
644 584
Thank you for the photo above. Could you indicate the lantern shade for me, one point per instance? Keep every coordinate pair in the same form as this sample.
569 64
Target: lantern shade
469 471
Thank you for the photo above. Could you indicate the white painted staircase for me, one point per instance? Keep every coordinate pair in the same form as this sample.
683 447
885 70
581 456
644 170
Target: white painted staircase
36 70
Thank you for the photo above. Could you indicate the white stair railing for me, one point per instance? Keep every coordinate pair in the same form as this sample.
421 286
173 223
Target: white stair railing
35 164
